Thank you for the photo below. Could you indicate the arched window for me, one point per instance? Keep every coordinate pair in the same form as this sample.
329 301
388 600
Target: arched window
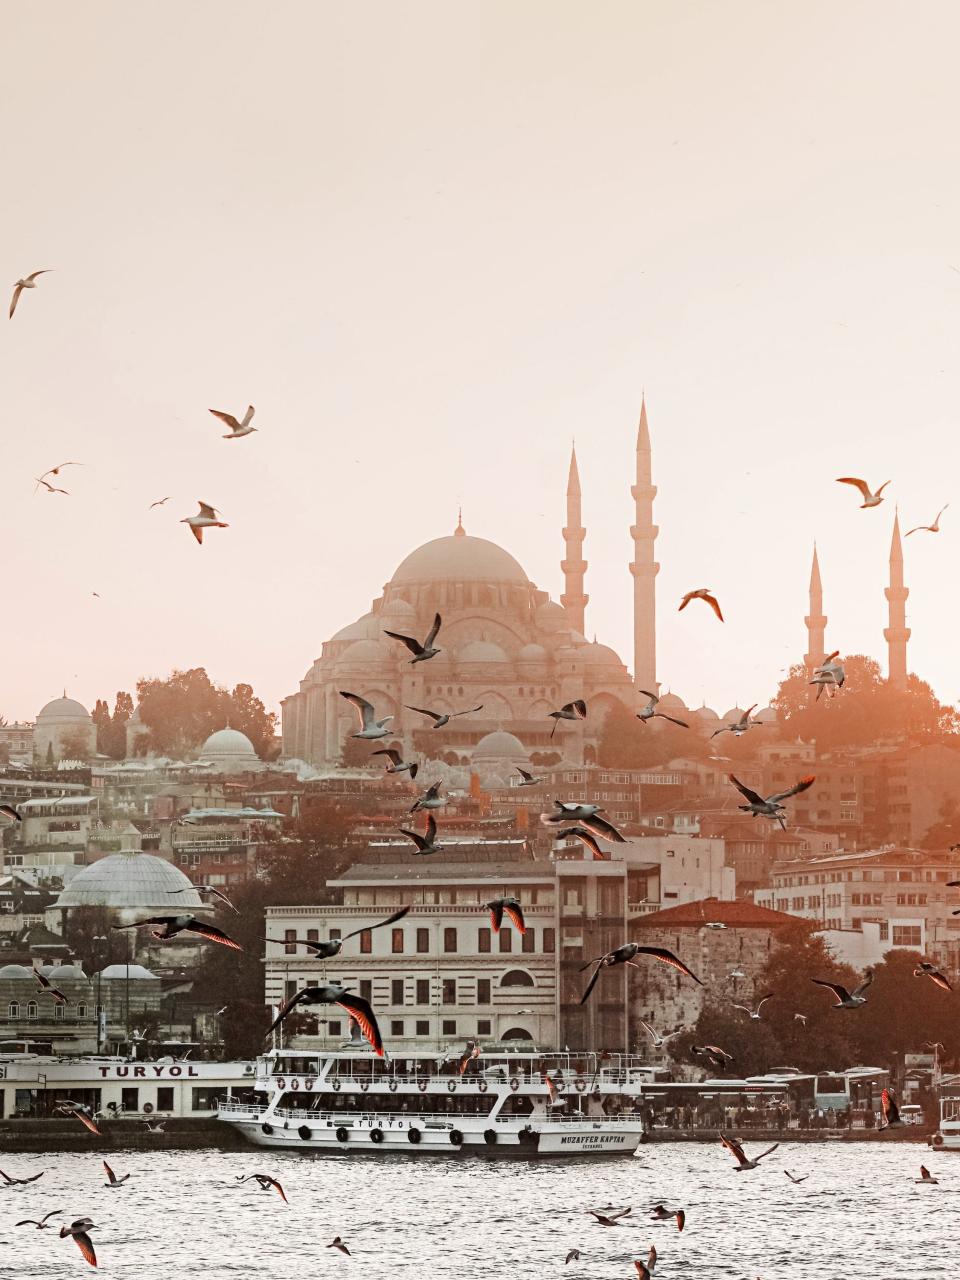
517 978
516 1033
81 1010
13 1011
32 1009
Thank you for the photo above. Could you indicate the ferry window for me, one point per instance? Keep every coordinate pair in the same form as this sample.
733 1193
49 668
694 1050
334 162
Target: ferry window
130 1099
165 1098
397 942
423 1028
423 991
396 991
366 989
450 940
290 942
483 939
483 1027
449 991
334 1027
449 1027
423 941
14 1009
396 1027
313 935
549 941
529 940
366 942
205 1098
32 1009
506 940
483 991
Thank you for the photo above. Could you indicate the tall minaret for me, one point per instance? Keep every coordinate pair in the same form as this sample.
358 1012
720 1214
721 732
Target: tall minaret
644 567
816 620
897 633
574 566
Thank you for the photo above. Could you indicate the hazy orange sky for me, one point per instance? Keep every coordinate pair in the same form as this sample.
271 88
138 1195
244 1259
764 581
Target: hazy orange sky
432 243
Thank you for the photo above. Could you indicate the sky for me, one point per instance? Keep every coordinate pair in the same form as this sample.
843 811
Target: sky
433 243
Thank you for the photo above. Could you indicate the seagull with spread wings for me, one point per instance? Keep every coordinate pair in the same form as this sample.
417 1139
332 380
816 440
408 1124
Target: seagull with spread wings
587 837
754 1013
576 710
440 718
587 815
47 986
170 926
499 907
929 528
796 1180
658 1040
609 1219
336 993
645 1269
869 499
79 1229
81 1113
370 726
528 779
718 1058
112 1179
431 798
660 1213
326 950
854 999
770 806
26 282
266 1183
206 518
238 429
19 1182
650 712
421 652
927 970
42 1224
736 1150
704 594
397 763
627 954
9 811
208 891
426 843
739 727
889 1110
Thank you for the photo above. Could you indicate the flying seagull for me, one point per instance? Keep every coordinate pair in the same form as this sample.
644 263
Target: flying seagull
337 1243
506 906
754 1013
10 812
170 926
739 727
51 488
576 710
208 891
47 986
661 1214
27 282
927 970
470 1054
847 999
572 1256
206 518
794 1180
869 499
81 1113
645 1269
890 1110
830 672
19 1182
736 1150
650 711
431 799
421 652
658 1040
587 815
610 1219
717 1057
527 779
112 1179
335 993
426 843
397 763
770 806
265 1183
705 594
925 1176
79 1231
440 718
159 502
590 840
237 429
625 955
42 1224
326 950
370 727
929 528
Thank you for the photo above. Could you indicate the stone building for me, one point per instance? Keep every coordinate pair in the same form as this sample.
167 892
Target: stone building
64 730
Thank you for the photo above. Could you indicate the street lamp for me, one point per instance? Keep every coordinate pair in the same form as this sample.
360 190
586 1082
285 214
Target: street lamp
100 943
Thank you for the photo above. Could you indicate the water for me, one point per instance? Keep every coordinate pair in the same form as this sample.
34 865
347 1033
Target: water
859 1216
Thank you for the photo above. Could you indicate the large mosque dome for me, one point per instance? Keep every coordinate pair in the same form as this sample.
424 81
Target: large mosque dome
63 711
131 880
64 728
459 558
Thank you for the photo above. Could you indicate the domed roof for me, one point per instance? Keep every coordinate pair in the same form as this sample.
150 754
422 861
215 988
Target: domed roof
124 970
532 653
227 742
365 628
367 651
733 714
499 745
459 558
64 709
670 700
396 610
16 971
767 716
61 971
130 880
706 713
552 617
481 651
600 655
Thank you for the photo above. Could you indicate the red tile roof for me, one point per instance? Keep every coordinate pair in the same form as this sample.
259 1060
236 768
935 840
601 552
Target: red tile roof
736 915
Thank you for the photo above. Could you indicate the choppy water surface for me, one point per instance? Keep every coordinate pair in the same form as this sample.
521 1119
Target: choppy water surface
859 1215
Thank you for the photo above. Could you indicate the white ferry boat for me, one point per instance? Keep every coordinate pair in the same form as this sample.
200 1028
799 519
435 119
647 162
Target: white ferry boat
947 1137
501 1103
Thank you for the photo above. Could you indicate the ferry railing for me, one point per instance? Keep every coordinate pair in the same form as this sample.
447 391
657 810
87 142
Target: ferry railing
373 1118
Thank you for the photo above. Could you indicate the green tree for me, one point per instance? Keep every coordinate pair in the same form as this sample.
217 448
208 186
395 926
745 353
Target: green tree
247 713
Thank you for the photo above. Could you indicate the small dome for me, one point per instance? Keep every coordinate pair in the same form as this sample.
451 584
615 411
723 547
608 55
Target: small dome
397 610
229 751
706 713
733 714
65 971
127 970
367 651
64 709
16 971
671 701
499 745
481 651
552 617
532 653
599 655
459 558
130 880
767 716
365 628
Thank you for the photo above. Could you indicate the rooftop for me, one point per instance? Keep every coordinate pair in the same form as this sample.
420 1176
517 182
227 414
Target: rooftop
735 915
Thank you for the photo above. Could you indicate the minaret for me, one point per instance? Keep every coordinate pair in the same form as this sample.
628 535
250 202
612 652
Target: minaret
574 566
644 567
816 620
897 633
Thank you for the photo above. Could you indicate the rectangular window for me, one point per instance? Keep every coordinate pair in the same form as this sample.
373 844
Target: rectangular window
423 941
906 935
313 935
483 940
423 991
449 991
549 941
334 1027
483 991
165 1098
205 1098
290 942
423 1028
130 1099
366 942
290 986
366 989
529 942
506 940
483 1027
450 941
396 942
396 1027
334 935
449 1027
396 991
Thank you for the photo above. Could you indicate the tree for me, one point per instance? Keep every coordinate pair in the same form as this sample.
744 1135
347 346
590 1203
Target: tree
310 851
904 1013
248 714
180 712
866 710
626 743
85 924
112 729
754 1046
75 745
